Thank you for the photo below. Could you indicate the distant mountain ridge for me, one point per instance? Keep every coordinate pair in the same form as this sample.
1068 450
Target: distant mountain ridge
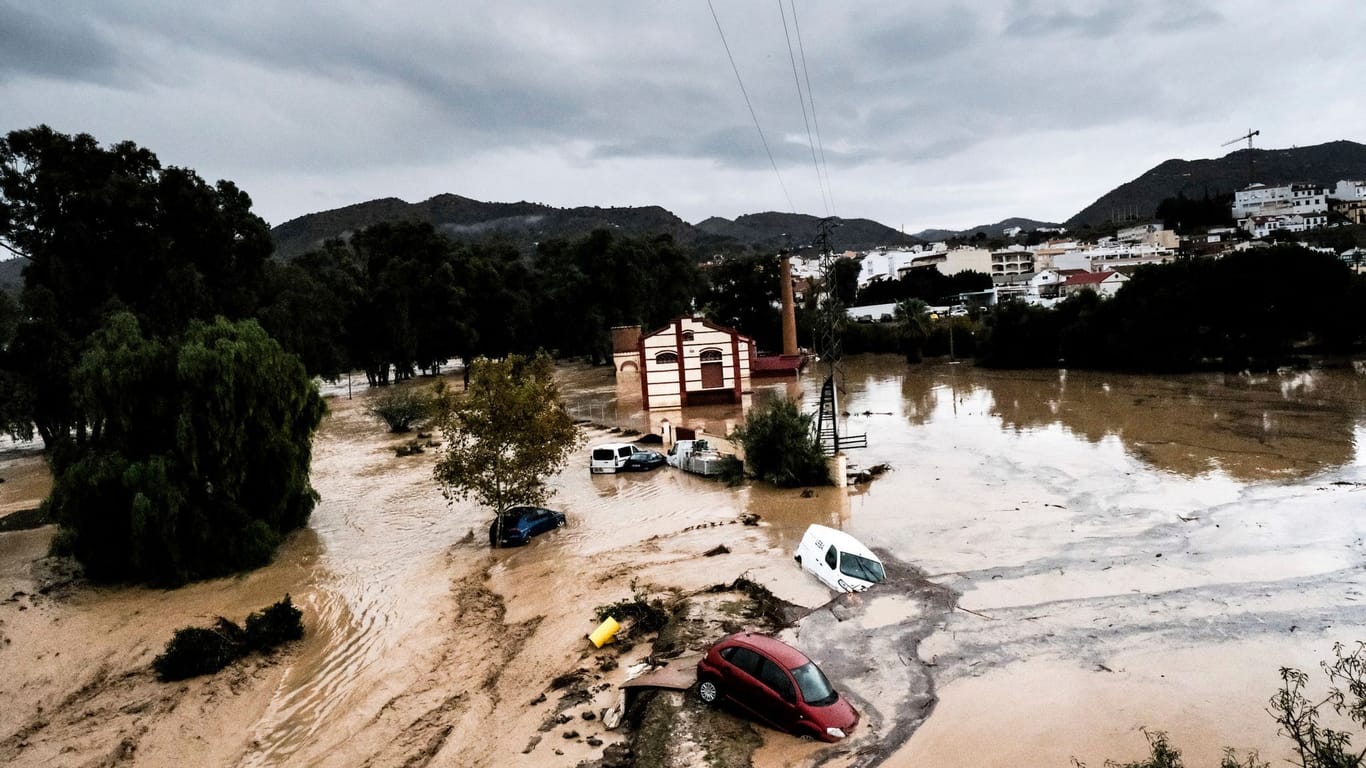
1324 164
526 223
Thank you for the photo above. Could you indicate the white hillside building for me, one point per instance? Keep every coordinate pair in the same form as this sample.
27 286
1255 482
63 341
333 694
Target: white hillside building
1261 200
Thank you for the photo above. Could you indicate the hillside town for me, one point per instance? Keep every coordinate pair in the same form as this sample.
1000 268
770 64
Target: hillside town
1059 266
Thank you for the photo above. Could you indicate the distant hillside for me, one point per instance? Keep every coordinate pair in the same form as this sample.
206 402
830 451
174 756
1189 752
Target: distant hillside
1138 199
773 231
460 217
12 275
990 230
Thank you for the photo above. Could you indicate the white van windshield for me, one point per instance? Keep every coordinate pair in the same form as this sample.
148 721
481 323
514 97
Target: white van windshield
603 454
861 567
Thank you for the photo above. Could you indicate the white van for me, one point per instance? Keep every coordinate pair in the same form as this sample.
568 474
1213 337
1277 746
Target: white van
609 458
839 560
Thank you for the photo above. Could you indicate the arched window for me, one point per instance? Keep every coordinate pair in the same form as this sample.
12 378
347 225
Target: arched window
711 356
667 358
687 335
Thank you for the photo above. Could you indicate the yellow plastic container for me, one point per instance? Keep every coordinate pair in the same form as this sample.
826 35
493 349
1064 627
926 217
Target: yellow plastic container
604 633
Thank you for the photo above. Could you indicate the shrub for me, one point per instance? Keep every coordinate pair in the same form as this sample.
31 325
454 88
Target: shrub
401 407
274 626
195 651
781 447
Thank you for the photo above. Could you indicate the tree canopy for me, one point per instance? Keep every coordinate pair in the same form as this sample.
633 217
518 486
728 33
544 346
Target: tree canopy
105 230
506 435
198 452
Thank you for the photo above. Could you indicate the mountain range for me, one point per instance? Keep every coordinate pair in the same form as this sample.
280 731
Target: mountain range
527 223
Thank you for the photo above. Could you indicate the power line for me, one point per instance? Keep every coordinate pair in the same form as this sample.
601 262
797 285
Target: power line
749 104
810 94
796 80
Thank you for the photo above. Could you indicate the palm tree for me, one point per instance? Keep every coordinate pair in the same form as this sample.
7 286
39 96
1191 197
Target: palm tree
913 323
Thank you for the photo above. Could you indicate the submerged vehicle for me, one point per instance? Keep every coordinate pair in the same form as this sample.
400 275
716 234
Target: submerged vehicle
696 456
643 459
775 683
519 524
610 458
839 560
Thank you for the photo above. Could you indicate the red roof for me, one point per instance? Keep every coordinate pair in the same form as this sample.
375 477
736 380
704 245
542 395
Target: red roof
1088 278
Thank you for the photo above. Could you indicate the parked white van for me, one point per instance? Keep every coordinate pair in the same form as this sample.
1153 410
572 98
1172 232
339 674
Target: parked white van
839 560
609 458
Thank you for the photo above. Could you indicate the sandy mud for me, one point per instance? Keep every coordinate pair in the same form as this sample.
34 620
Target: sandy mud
1083 556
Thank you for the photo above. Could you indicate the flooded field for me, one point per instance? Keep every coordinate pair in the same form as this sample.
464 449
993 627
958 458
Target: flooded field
1123 551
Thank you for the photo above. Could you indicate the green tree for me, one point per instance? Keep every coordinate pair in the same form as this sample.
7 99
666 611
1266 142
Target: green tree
506 435
781 446
913 324
744 293
198 453
105 230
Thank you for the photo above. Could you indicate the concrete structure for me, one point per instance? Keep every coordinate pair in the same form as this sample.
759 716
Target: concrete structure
626 349
789 306
1349 191
1124 256
1015 260
1261 200
1262 226
1103 283
692 361
1154 233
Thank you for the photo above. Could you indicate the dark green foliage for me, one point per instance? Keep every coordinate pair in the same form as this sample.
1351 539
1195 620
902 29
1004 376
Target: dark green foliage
274 626
107 230
743 294
928 285
1183 214
198 456
1018 335
195 651
602 280
1256 310
781 447
401 407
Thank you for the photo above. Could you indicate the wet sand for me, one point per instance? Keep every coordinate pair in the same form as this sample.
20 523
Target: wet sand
1134 552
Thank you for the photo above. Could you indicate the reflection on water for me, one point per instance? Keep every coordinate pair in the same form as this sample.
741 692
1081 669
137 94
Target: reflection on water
1249 427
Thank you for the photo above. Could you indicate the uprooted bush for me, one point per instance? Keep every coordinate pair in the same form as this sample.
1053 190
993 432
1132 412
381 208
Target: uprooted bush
402 407
195 651
646 615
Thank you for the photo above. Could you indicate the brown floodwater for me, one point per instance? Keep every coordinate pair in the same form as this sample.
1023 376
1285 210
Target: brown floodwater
1126 552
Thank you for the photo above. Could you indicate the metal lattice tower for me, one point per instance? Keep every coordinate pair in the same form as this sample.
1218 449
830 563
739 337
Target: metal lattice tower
830 317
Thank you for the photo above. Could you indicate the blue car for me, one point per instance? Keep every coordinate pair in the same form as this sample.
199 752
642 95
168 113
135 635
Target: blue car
519 524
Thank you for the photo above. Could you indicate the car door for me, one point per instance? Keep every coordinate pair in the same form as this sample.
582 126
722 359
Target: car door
778 704
541 521
753 688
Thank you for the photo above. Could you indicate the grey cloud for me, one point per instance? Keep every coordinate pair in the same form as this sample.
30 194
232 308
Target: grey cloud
43 41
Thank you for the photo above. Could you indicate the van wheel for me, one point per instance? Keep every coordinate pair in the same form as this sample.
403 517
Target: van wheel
798 558
708 691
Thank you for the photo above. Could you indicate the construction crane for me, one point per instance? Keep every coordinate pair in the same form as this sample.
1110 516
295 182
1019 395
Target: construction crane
1248 136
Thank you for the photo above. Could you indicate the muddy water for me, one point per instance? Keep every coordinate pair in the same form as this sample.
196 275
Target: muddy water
1129 552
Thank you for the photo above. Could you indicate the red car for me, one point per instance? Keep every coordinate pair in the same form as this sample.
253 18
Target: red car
776 684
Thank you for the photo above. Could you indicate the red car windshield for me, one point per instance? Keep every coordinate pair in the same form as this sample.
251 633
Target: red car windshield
816 690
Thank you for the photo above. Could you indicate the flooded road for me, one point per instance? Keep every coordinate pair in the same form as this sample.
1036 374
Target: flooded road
1125 551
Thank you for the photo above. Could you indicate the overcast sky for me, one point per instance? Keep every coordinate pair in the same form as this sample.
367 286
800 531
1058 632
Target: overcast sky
929 114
